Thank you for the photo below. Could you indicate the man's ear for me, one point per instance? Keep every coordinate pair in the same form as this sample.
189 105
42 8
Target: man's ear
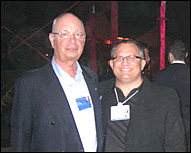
110 63
186 55
51 38
170 57
143 63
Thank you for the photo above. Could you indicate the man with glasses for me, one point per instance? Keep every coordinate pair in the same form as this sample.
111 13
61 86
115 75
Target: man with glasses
138 115
57 108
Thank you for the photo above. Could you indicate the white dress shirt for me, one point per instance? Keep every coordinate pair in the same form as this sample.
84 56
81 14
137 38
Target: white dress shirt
75 88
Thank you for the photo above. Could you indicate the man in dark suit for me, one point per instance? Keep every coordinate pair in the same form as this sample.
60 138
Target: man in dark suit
57 108
138 115
177 76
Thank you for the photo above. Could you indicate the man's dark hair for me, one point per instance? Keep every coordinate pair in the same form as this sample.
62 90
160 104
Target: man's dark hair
178 50
131 41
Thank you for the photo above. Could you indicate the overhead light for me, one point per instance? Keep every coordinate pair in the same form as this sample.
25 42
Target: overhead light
121 38
108 42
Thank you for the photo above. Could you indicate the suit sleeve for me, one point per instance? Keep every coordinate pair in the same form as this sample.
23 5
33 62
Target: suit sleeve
175 130
21 119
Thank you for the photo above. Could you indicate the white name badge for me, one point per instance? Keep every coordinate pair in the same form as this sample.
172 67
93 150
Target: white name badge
120 112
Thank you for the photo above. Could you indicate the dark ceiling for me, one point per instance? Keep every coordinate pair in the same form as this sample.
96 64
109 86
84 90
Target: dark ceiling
135 17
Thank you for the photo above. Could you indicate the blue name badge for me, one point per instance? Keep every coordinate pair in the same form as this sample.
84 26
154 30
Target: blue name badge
83 103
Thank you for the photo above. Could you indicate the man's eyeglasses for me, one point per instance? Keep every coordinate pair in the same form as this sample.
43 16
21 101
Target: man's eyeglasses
67 34
131 58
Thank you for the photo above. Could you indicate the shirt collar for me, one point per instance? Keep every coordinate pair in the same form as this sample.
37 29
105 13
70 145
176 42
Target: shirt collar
131 92
179 62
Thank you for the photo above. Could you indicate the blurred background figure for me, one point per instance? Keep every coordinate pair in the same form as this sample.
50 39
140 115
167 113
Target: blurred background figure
147 70
177 76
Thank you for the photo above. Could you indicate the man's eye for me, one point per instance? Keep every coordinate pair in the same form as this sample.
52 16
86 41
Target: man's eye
120 57
131 57
64 34
78 34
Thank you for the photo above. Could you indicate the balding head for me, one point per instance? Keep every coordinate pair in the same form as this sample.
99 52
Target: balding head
66 16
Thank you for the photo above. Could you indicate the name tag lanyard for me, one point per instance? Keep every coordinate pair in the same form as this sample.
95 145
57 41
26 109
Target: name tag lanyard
121 103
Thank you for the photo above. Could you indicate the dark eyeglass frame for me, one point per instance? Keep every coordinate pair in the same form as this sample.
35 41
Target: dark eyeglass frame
130 58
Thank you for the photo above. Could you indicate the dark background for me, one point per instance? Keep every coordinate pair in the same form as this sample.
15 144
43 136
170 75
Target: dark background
24 18
133 15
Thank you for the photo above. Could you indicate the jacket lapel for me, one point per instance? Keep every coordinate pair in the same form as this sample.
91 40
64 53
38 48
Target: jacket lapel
140 105
59 106
53 91
91 83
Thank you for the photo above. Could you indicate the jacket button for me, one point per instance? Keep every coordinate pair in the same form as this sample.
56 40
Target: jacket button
52 123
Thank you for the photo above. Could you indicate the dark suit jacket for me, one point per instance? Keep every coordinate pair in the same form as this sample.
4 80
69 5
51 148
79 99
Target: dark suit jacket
41 117
155 124
177 76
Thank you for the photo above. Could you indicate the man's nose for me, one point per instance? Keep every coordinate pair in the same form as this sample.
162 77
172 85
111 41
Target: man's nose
125 59
72 38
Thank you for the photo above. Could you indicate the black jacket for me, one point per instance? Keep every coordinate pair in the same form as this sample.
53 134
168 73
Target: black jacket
155 124
41 117
177 76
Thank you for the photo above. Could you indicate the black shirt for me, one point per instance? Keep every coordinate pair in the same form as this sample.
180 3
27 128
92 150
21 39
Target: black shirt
116 130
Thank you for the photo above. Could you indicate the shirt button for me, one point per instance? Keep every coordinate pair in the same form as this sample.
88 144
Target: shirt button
52 123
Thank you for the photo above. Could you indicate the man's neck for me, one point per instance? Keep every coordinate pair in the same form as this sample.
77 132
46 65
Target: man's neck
126 87
68 67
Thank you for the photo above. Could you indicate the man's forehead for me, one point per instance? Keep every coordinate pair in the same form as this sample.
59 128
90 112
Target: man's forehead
67 21
127 46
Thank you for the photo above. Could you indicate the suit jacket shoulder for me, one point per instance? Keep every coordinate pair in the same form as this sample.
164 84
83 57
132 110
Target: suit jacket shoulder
106 86
172 72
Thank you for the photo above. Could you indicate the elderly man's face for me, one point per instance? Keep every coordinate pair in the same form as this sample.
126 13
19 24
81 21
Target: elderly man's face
68 48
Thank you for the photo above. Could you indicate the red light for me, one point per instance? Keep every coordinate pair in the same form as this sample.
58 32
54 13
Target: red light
108 42
126 38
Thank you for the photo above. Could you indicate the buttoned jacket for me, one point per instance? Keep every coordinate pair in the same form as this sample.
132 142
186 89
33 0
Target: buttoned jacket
42 120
